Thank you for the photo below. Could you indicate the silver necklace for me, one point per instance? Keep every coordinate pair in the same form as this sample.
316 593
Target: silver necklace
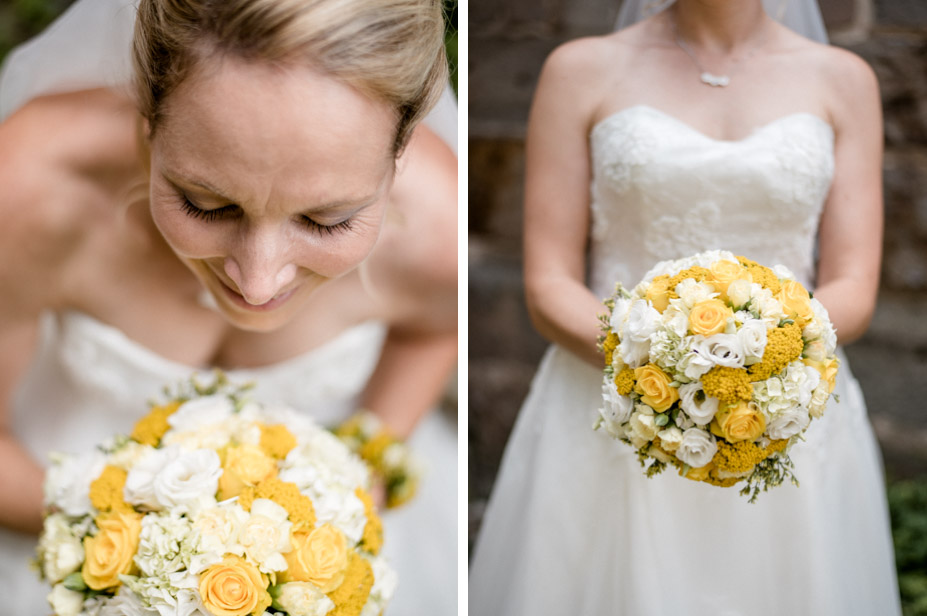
705 76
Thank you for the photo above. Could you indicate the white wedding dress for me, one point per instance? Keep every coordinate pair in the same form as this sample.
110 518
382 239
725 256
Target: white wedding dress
89 381
573 525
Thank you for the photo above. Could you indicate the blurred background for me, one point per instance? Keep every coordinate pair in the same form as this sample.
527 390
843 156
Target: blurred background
508 43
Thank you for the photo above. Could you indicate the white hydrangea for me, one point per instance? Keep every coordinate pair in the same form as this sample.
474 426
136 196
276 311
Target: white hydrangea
164 544
385 581
126 603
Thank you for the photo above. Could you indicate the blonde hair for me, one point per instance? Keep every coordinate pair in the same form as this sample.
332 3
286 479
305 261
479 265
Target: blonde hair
391 50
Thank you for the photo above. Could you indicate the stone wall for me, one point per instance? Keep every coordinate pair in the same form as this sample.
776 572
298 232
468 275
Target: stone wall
508 43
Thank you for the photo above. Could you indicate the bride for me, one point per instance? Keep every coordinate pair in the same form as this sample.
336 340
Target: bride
706 126
265 201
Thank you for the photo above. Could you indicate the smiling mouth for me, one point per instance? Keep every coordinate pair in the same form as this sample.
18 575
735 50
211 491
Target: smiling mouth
239 300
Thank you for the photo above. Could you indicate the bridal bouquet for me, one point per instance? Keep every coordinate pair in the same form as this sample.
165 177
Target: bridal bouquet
215 505
716 364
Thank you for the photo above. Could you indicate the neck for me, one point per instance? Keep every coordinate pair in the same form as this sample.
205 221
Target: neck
720 26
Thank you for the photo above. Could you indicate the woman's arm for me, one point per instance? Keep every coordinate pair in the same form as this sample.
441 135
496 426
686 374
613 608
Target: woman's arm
557 175
850 242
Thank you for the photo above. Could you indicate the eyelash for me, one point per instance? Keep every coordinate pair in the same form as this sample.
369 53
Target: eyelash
230 211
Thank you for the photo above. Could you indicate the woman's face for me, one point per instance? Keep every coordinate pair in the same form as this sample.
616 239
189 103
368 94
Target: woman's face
267 182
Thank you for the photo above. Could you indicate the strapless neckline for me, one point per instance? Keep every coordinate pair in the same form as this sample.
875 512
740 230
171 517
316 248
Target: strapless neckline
627 115
116 340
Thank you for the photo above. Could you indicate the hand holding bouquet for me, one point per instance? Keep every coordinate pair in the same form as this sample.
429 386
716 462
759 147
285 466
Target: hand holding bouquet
215 505
716 364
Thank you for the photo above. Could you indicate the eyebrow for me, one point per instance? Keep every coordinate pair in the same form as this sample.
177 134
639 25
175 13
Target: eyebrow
360 203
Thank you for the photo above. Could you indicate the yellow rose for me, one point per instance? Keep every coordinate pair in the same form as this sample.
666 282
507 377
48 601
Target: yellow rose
658 293
698 474
742 421
654 387
709 317
827 369
109 553
723 273
234 587
796 302
319 556
244 465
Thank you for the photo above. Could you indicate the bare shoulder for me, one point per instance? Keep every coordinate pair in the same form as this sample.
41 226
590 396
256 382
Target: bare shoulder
49 150
416 257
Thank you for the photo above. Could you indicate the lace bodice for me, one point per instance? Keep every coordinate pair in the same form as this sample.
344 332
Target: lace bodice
663 190
89 381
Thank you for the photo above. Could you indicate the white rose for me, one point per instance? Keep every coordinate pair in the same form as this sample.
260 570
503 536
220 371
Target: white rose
189 480
67 482
619 313
643 320
670 438
816 350
788 423
739 293
139 488
634 354
808 384
266 535
616 409
303 599
385 581
721 349
643 426
60 551
829 336
752 337
199 413
218 529
692 292
782 272
676 319
769 309
813 330
819 400
694 364
697 448
699 407
65 602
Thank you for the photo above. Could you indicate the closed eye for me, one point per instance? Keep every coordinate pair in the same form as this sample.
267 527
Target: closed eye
339 227
228 211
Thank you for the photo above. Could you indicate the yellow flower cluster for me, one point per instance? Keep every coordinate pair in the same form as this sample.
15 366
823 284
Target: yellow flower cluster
151 427
742 456
287 495
372 450
729 385
372 539
349 598
608 347
277 441
624 381
106 490
761 274
783 346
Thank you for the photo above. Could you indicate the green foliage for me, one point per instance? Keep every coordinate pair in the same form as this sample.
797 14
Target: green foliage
450 38
907 501
22 19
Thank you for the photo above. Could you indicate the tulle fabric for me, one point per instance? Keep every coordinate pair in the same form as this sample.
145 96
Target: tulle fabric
801 16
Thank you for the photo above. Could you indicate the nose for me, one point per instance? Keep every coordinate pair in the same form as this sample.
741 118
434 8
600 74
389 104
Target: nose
260 266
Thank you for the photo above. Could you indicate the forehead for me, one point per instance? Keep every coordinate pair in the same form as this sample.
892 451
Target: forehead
247 123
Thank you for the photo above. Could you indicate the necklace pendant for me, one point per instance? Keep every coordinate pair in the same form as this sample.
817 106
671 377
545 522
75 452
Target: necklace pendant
715 81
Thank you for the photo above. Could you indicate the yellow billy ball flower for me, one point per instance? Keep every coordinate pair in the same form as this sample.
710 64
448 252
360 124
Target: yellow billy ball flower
150 428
